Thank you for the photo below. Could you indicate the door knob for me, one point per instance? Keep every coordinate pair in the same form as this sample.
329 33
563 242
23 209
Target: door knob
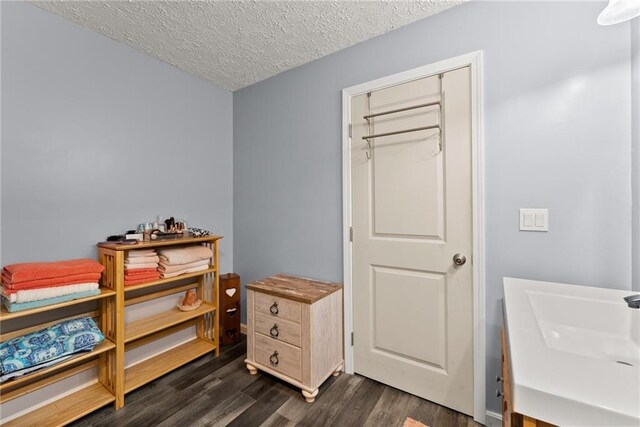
459 259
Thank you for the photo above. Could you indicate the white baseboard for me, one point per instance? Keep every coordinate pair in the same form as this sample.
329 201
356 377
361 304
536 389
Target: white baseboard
493 419
243 329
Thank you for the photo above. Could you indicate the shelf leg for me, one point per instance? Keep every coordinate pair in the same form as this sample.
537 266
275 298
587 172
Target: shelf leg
119 359
216 296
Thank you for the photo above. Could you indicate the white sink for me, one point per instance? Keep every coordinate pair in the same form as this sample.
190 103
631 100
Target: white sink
575 353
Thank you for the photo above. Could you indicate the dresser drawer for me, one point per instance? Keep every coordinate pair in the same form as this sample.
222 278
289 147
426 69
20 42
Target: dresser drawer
279 329
277 308
279 356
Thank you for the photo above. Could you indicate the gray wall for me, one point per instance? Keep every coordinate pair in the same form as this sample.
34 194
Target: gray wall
635 175
97 137
557 132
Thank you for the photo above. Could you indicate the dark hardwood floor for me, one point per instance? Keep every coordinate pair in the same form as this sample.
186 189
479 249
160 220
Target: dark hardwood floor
220 392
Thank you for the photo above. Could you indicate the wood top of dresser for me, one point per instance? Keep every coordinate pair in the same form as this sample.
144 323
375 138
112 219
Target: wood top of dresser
294 288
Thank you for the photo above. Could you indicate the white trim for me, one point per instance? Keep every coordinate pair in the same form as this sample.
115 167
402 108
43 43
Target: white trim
243 329
493 419
474 61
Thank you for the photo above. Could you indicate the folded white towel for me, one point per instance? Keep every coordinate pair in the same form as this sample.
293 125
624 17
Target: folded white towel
142 260
185 255
128 266
141 253
170 268
29 295
188 270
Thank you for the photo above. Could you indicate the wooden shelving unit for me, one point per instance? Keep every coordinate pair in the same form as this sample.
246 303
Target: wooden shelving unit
143 331
114 381
83 401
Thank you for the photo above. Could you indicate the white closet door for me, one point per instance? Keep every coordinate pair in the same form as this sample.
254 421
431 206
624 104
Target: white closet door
413 319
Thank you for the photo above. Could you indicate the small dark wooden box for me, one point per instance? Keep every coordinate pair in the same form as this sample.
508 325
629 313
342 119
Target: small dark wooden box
229 308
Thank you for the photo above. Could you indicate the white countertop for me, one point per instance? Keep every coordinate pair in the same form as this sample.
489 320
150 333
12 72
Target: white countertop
566 343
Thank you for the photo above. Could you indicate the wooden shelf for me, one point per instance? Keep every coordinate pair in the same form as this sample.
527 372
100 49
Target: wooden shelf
155 367
6 396
155 243
67 409
170 280
105 345
6 315
144 331
156 323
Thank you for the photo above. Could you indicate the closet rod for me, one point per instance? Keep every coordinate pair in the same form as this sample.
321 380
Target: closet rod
400 131
400 110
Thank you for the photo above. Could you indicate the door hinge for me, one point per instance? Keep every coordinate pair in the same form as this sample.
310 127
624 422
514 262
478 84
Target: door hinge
350 130
351 339
351 234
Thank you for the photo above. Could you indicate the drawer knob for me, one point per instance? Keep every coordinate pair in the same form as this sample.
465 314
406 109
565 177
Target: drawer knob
274 359
274 308
274 331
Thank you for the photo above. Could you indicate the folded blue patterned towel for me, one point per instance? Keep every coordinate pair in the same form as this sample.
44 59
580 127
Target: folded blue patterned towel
54 342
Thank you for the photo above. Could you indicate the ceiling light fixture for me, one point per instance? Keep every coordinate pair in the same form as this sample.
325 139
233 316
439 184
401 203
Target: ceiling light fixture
618 11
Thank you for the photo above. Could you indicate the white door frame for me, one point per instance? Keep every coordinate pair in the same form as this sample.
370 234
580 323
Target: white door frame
474 61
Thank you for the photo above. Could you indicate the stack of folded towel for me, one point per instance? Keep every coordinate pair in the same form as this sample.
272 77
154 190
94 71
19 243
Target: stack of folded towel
191 259
141 267
37 350
37 284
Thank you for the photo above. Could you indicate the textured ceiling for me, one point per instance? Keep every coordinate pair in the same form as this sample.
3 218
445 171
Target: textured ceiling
237 43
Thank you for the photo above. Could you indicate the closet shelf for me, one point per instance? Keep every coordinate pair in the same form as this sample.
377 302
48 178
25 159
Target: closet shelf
155 367
170 280
6 315
158 322
105 345
67 409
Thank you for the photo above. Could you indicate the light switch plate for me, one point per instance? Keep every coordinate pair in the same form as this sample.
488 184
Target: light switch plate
534 219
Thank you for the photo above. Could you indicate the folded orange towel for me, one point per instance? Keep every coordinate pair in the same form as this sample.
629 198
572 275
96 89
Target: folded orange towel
141 272
71 279
30 271
141 276
137 281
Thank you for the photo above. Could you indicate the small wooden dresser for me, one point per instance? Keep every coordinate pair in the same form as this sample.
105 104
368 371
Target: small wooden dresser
294 330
